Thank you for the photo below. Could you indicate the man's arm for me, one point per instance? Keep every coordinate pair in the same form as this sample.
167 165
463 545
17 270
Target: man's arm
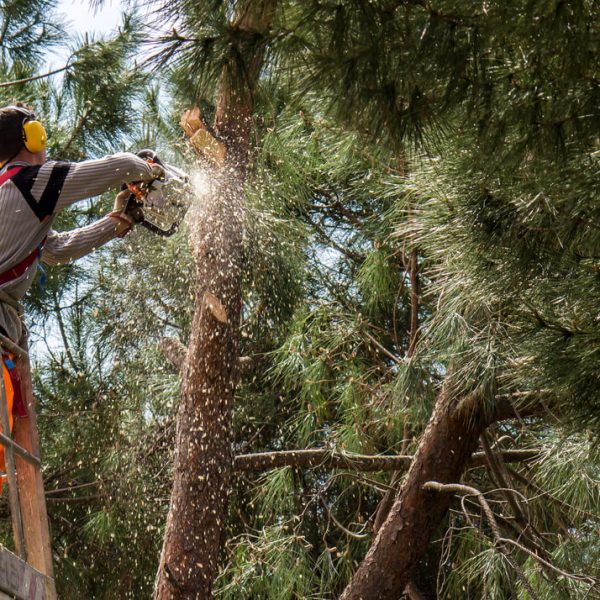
93 177
65 247
54 185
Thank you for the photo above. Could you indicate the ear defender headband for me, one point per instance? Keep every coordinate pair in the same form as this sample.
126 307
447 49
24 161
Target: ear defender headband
34 134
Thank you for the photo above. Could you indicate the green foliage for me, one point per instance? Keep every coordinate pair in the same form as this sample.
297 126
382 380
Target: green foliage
465 132
29 28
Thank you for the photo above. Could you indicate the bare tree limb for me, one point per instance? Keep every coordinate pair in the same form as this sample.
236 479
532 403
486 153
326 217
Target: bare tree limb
497 470
323 457
413 592
35 77
331 516
173 350
499 541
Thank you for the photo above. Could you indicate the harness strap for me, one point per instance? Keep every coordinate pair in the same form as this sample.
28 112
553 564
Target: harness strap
9 174
22 266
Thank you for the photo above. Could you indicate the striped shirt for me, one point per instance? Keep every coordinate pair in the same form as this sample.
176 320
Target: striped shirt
29 203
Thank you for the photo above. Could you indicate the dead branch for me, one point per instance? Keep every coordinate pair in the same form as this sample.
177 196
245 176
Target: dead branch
173 350
497 472
499 541
331 516
413 592
323 457
35 77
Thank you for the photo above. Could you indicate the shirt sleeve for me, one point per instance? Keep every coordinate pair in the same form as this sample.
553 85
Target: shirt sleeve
65 247
93 177
54 185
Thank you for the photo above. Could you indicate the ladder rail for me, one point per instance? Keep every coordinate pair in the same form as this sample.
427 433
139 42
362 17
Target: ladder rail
26 489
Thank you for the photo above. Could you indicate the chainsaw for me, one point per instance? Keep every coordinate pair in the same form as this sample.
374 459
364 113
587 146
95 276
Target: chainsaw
159 204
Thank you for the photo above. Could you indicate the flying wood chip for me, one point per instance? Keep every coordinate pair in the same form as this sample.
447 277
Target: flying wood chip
215 307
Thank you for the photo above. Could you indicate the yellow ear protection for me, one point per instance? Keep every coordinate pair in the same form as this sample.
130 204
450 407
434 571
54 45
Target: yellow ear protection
34 134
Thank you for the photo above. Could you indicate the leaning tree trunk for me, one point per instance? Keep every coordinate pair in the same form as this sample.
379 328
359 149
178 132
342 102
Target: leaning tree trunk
447 443
203 456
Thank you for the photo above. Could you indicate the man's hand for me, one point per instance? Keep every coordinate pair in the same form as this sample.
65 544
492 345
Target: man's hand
124 222
121 201
158 172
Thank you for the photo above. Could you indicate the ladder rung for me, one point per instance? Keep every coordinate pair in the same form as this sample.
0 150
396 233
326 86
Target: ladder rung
24 454
9 345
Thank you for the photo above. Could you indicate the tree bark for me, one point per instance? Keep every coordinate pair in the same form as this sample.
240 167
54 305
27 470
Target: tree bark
203 453
444 451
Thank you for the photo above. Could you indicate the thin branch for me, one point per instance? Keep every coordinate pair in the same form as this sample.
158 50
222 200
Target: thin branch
414 302
80 124
497 470
383 349
75 499
499 541
356 536
35 77
72 488
63 333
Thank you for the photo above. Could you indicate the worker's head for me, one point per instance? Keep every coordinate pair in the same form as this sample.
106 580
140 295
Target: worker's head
21 134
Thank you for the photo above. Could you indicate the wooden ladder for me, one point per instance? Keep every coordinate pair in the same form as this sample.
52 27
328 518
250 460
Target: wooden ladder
26 574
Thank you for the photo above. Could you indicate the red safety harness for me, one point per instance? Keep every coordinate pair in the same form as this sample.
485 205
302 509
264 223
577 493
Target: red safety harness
17 270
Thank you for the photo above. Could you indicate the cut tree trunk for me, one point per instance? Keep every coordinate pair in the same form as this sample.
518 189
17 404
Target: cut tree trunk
443 453
203 455
203 436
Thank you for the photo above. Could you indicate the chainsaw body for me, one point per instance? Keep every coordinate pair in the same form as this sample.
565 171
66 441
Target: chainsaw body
159 205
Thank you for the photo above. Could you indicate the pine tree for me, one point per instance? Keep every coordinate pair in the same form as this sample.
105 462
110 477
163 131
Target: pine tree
409 78
420 239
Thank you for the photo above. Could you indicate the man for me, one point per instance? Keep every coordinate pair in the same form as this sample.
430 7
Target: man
33 190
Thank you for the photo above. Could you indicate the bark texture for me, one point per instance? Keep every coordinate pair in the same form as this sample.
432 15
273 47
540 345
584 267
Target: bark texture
203 455
444 451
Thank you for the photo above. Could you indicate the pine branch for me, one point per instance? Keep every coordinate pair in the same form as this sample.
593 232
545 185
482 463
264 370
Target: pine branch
77 129
331 516
497 470
383 349
501 542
